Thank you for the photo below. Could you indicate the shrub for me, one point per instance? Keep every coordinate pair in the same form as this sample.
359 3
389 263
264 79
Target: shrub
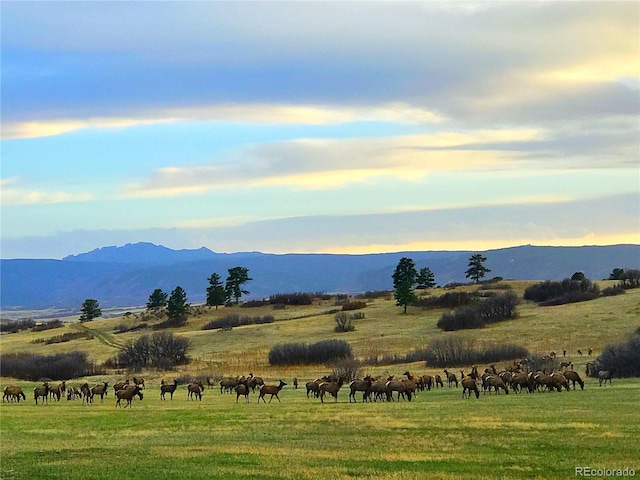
612 291
343 322
47 326
66 337
371 295
558 293
481 312
60 366
347 369
16 326
292 298
317 353
229 321
544 363
255 303
448 300
455 352
174 321
355 305
622 359
160 350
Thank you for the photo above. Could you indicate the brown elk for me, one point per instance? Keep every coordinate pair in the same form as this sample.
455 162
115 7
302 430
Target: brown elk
438 382
13 392
520 381
195 389
73 392
397 386
57 390
242 389
139 381
120 385
168 388
573 376
272 390
363 386
127 394
42 391
295 383
451 378
494 381
87 394
228 385
314 387
469 385
100 389
332 388
603 376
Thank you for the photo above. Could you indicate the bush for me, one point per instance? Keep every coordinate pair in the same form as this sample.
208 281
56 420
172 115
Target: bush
175 321
612 291
347 369
67 337
558 293
622 359
292 298
161 350
371 295
61 366
230 321
16 326
455 352
47 326
255 303
481 312
343 322
356 305
544 363
303 354
449 300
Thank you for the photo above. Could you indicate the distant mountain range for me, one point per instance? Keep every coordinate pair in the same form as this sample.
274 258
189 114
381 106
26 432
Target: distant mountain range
125 276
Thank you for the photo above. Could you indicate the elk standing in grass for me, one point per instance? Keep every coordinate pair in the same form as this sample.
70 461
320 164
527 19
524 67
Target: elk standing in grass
363 386
603 376
195 389
13 392
100 389
332 388
573 376
242 389
451 378
168 388
42 391
469 385
127 394
272 390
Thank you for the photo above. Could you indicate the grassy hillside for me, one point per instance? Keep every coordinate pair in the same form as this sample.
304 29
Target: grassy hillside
438 435
384 330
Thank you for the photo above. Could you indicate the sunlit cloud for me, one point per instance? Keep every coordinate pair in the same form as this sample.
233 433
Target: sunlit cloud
11 193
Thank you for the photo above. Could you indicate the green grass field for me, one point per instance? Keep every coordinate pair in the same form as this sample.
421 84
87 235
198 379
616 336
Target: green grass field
438 435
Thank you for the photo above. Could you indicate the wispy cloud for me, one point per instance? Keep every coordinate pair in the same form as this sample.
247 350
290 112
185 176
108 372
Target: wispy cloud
13 193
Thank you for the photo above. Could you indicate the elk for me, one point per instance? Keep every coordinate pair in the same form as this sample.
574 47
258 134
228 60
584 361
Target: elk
603 376
469 385
100 389
195 389
272 390
13 392
330 387
496 382
295 383
438 381
127 394
139 381
120 385
242 389
168 388
73 392
42 391
87 394
574 377
363 386
397 386
228 385
58 390
451 378
560 380
521 380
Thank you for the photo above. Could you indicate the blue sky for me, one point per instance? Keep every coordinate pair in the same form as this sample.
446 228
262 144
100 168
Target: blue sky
345 127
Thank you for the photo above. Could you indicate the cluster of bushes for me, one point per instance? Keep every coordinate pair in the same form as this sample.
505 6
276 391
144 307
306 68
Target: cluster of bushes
344 321
353 305
161 350
449 300
124 328
457 352
16 325
175 321
255 303
61 366
622 359
292 299
325 351
480 313
612 291
550 293
231 321
373 294
452 352
66 337
47 326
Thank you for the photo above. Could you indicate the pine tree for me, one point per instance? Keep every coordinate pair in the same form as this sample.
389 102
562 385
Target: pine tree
215 291
90 310
404 278
426 279
238 276
476 269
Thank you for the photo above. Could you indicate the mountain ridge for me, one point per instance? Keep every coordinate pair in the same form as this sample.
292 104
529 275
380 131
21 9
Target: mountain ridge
126 275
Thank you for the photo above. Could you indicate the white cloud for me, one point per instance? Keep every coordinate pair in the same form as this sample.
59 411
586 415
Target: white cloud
12 193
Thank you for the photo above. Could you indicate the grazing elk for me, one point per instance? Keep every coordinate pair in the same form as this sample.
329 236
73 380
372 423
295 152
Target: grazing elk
139 382
451 378
494 381
13 392
378 390
127 394
438 382
168 388
57 390
72 393
242 389
560 380
603 376
363 386
469 385
100 389
195 389
314 387
228 385
397 386
573 376
332 388
521 380
120 385
272 390
42 391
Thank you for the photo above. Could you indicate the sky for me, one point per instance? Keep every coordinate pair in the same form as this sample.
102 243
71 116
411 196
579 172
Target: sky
318 127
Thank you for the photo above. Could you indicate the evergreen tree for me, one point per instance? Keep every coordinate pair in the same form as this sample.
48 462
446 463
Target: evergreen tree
216 294
404 278
157 300
476 269
90 310
238 276
177 306
426 279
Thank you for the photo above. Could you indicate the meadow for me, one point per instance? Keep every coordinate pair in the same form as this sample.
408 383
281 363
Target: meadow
438 435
